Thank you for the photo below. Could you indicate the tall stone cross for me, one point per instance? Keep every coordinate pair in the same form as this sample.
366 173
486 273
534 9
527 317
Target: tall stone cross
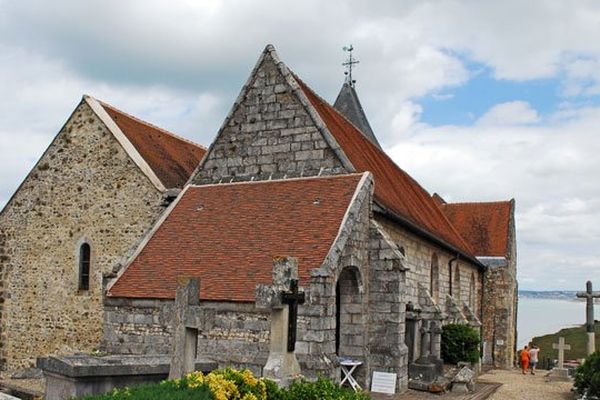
561 347
189 318
282 299
589 295
292 299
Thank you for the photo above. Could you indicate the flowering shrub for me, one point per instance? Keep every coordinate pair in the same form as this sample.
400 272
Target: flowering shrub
230 384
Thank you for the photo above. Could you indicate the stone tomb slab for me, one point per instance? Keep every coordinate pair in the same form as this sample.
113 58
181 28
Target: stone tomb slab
80 375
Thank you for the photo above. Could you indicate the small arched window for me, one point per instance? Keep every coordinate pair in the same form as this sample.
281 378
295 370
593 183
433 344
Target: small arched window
472 293
457 283
434 278
84 266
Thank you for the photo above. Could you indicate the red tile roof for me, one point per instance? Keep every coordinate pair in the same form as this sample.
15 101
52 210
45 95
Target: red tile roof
228 234
484 225
172 158
394 188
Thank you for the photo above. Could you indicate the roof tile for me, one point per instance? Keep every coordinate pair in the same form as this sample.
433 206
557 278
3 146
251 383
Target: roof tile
228 234
484 225
172 158
394 188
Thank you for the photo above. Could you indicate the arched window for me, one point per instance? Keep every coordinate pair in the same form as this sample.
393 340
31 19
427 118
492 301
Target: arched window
84 266
434 278
472 293
457 283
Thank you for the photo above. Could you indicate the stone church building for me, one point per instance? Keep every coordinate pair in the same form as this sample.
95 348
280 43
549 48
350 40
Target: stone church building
116 211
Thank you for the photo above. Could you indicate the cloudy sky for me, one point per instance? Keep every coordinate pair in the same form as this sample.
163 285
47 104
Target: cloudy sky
478 100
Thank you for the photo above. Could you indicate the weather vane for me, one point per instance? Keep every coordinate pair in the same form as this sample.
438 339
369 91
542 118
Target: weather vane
348 64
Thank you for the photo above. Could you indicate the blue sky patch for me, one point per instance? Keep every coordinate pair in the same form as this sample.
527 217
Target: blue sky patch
465 104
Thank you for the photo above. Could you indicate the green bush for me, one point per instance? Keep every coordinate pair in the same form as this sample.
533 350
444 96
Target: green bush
321 389
230 384
460 343
587 376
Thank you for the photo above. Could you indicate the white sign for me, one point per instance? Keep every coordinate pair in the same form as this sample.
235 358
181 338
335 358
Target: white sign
384 382
500 342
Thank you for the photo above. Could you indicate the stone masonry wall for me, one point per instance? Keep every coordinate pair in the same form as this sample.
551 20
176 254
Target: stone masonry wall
419 254
268 135
239 333
350 261
387 306
500 306
84 189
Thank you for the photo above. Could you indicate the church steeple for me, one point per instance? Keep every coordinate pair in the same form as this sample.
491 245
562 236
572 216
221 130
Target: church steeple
348 104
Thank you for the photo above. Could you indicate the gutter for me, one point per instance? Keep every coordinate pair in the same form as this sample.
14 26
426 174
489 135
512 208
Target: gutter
424 234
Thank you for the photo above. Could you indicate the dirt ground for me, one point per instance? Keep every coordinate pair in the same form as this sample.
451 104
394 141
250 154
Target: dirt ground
516 386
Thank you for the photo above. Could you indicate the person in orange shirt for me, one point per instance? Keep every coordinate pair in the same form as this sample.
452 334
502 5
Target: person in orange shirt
524 360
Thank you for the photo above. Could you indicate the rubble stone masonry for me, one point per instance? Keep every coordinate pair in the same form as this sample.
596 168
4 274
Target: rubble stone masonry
419 256
269 135
85 188
500 305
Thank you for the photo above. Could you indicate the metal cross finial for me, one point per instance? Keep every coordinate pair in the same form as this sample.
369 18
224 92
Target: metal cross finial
348 64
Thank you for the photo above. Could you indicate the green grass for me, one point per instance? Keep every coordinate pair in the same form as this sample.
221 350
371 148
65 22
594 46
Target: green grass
165 391
576 337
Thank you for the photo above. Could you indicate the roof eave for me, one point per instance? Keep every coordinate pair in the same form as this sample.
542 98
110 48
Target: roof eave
414 228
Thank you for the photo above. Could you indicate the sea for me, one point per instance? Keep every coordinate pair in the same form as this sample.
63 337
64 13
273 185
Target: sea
539 317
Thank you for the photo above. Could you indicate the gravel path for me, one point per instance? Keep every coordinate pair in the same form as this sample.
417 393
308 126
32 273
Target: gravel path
517 386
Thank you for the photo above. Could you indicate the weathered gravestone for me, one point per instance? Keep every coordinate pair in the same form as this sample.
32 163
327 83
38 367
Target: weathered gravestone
560 373
282 299
83 374
426 370
462 382
589 295
188 320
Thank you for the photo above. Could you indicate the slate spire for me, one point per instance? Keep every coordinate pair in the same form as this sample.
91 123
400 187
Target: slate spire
349 106
347 102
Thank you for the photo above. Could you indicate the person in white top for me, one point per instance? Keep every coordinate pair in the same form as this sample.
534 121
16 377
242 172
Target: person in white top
533 357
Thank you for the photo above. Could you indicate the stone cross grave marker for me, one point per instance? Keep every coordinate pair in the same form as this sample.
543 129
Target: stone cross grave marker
292 299
589 295
188 319
282 299
561 347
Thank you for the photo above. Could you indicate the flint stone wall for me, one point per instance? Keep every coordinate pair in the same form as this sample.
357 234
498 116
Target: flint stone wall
84 188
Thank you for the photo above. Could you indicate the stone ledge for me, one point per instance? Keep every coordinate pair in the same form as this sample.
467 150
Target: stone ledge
77 366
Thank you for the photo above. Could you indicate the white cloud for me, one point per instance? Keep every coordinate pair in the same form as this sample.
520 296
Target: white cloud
551 170
43 93
510 113
582 77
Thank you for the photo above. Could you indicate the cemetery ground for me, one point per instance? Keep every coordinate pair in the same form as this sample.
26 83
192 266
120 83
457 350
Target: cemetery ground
575 336
493 385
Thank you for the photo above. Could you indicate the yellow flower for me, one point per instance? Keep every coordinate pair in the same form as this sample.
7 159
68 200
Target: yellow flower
195 379
221 388
249 378
249 396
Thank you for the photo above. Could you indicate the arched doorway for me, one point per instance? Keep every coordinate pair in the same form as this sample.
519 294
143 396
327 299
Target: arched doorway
349 332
